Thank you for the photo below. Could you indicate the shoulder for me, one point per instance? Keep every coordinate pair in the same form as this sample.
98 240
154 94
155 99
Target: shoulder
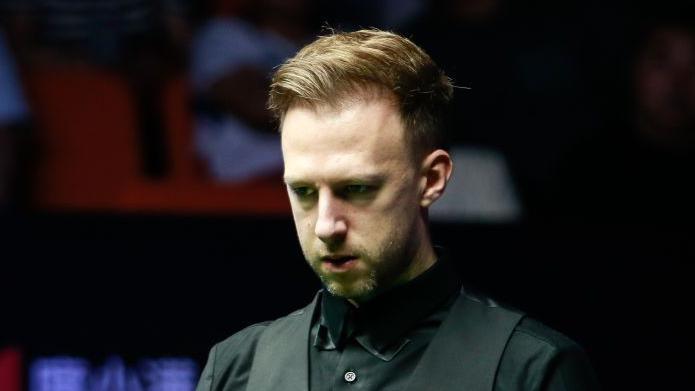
229 362
247 339
534 356
540 358
526 332
535 335
240 344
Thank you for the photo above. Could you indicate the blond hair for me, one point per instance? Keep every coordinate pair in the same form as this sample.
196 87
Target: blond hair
334 68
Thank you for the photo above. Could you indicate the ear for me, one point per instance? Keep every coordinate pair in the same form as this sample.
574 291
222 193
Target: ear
435 172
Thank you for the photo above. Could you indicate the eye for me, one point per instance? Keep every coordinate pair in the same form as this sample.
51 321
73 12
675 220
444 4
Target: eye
358 189
358 192
303 191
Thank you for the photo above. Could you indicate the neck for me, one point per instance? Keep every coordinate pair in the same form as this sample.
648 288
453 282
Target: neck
423 254
677 140
423 257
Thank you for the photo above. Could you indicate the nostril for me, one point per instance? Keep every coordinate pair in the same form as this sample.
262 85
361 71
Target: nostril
331 231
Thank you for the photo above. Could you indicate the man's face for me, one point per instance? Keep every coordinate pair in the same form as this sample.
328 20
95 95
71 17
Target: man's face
355 191
665 85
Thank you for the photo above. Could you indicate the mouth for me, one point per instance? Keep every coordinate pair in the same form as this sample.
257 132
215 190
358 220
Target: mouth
338 263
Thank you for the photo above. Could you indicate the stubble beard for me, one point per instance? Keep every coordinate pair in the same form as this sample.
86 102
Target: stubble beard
381 272
360 288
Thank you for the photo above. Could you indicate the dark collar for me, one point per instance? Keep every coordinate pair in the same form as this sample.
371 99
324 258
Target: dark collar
381 323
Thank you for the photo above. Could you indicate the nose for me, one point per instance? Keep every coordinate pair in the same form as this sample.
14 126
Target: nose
331 226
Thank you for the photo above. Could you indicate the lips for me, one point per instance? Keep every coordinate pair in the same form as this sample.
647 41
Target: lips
338 263
337 260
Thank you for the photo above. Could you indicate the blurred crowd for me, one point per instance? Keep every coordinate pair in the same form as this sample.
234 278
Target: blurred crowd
565 111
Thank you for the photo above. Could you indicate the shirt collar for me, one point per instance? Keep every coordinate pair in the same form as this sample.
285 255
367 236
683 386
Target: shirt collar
381 323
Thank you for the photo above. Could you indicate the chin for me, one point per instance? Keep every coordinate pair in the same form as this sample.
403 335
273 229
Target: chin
356 290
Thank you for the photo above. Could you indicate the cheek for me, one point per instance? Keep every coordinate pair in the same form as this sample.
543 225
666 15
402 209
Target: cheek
652 87
303 222
305 229
691 93
406 201
396 216
305 236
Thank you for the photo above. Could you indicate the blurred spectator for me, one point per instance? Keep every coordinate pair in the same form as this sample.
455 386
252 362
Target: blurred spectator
529 99
231 61
13 116
639 171
144 41
665 89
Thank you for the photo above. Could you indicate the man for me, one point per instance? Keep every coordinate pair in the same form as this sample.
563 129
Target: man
359 118
636 169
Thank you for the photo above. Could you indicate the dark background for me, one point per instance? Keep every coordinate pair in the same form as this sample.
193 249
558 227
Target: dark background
159 259
154 286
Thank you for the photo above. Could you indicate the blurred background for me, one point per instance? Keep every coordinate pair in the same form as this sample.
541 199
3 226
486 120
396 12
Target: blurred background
143 217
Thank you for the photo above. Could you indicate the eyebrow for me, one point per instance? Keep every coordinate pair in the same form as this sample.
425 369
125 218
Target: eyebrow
369 178
290 180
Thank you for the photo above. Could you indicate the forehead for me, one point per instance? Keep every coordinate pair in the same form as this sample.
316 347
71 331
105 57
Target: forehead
359 138
674 43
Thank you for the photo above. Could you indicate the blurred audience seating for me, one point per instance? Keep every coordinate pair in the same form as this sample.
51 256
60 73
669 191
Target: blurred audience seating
89 156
